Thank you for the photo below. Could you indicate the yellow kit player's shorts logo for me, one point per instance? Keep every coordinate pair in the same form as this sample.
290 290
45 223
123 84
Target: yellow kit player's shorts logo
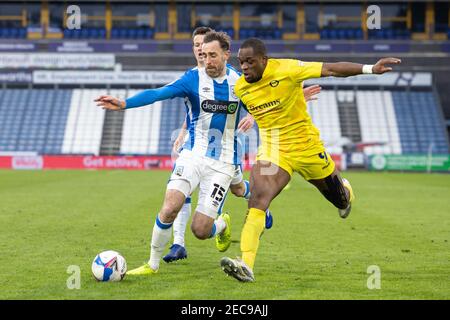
324 156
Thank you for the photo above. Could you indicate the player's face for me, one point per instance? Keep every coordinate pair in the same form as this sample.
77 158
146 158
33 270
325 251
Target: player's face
197 47
252 65
215 58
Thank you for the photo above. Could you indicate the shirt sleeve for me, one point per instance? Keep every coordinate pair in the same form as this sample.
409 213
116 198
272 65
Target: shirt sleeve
302 70
178 88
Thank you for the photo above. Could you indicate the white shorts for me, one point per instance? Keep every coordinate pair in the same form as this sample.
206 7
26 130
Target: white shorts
211 176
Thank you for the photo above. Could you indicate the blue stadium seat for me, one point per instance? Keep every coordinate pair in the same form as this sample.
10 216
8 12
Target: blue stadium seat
149 33
85 32
4 32
440 27
67 34
388 34
93 33
123 33
359 34
114 33
349 33
342 34
324 34
22 33
333 34
418 27
131 33
278 34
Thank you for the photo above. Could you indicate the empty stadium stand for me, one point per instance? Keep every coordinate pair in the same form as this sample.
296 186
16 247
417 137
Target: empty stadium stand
33 120
420 122
66 121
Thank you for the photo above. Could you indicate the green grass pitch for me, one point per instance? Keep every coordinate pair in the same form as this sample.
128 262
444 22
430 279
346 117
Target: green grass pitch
50 220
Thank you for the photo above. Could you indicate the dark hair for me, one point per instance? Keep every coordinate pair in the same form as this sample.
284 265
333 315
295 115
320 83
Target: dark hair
223 38
201 30
259 48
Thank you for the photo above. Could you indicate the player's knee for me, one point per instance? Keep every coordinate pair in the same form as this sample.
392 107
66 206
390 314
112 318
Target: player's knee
168 213
201 226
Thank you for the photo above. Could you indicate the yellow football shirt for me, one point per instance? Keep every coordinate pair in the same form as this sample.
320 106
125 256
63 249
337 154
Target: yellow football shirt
278 105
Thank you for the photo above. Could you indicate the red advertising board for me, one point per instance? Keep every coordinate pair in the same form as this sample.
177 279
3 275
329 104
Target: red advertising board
99 162
86 162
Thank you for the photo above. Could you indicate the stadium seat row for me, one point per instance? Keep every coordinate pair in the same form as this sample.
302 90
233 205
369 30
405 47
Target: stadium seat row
397 34
332 34
116 33
13 33
267 34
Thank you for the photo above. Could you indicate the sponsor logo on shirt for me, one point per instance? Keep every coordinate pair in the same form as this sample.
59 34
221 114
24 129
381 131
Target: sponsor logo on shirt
214 106
266 105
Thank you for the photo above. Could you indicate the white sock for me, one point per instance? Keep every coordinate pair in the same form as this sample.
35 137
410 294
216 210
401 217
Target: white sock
180 223
218 227
160 237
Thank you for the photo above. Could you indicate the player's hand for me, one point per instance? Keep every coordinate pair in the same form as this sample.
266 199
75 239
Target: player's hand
179 142
380 66
110 103
311 92
246 123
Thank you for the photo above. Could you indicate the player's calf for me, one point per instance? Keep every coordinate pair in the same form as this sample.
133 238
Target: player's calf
333 190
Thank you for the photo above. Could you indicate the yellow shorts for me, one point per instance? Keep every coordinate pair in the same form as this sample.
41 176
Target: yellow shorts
311 166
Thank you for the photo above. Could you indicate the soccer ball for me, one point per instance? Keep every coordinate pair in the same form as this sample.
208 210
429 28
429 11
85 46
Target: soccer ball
109 266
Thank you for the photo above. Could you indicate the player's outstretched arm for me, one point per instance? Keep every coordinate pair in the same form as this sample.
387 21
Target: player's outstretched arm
178 88
347 69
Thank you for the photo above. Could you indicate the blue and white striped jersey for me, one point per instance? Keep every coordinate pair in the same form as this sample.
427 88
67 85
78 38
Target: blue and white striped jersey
212 111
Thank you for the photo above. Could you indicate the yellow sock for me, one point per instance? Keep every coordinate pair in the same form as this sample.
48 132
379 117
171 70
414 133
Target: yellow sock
253 227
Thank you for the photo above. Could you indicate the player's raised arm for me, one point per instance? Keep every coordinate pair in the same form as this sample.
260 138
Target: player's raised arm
178 88
347 69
